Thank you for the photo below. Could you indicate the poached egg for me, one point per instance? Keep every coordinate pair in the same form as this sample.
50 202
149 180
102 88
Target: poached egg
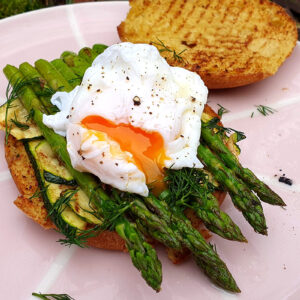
132 116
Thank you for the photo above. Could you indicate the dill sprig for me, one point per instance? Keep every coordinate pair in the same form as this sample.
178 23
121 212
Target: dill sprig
39 192
176 56
187 183
265 110
30 116
53 296
214 124
60 204
18 124
73 236
222 110
110 213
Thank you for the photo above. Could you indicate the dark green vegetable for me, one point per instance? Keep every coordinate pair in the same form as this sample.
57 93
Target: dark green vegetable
241 195
214 141
209 260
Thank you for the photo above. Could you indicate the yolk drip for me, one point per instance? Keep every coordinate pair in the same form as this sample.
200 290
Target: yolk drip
146 147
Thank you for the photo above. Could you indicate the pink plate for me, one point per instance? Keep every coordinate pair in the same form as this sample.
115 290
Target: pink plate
265 268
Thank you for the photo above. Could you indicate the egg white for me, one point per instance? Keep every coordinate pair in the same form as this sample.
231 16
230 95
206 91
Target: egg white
131 84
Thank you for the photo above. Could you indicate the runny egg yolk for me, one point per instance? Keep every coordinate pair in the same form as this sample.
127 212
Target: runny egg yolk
147 148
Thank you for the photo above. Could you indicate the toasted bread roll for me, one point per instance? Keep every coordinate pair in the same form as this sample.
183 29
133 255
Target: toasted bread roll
229 43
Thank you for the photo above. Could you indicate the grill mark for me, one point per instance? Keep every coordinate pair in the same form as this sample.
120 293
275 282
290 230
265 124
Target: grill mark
162 15
201 14
178 13
185 19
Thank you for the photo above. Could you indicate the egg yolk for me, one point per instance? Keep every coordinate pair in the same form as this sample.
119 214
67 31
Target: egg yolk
147 148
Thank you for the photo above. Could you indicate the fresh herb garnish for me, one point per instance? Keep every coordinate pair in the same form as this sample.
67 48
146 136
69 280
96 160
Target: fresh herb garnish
111 211
187 183
61 203
265 110
176 56
30 116
20 125
222 110
38 193
213 124
53 296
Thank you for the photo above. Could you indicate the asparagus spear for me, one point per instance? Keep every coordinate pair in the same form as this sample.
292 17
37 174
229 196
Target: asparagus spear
53 77
73 61
154 226
69 75
240 194
88 54
142 254
204 254
214 141
99 48
39 86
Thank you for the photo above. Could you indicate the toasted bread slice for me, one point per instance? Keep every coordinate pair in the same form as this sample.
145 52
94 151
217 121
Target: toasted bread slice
23 174
24 177
229 43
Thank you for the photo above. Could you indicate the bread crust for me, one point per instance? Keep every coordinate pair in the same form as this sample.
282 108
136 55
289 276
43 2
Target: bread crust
23 175
229 43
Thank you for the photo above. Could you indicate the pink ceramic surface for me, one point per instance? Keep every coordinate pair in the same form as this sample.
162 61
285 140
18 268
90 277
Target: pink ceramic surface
265 268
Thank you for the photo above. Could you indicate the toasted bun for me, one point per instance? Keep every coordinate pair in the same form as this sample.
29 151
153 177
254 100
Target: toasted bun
229 43
23 174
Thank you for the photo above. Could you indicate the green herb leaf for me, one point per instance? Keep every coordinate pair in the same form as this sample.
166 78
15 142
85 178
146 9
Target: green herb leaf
53 296
62 201
187 183
164 48
38 193
20 125
222 110
29 117
265 110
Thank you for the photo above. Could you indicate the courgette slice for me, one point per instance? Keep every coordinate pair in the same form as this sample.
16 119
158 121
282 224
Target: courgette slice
18 122
58 179
66 219
50 163
81 204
